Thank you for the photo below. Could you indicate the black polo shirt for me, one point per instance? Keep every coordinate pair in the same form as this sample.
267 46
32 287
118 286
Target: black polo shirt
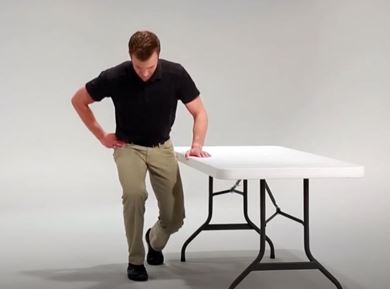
144 111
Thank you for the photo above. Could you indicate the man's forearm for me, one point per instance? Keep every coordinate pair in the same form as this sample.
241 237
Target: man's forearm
199 130
88 118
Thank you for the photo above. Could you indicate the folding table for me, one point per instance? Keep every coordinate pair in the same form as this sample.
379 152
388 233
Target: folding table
243 163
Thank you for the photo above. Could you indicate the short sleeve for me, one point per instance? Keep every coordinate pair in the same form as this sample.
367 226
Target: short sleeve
187 90
99 87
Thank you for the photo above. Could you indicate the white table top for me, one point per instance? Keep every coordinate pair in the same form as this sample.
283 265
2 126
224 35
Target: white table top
266 162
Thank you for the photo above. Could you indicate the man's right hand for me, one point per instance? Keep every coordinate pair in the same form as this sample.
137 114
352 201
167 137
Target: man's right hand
109 140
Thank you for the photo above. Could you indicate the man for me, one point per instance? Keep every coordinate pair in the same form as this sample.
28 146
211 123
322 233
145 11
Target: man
145 92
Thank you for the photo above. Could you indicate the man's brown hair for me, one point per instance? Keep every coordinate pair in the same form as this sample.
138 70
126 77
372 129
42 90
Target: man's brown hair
143 44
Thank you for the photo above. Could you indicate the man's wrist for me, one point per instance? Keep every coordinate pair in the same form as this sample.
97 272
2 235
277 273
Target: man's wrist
100 135
196 146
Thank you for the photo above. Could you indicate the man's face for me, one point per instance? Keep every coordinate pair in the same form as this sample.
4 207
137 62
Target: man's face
145 69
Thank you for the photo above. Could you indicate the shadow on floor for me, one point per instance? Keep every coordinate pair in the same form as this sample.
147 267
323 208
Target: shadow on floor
204 270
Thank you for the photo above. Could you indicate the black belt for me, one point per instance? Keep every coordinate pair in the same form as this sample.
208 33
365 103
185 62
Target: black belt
148 144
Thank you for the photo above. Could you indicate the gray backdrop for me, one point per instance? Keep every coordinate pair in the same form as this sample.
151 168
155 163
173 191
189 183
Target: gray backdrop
311 75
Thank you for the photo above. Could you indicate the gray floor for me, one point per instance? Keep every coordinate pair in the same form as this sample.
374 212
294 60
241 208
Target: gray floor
202 270
85 248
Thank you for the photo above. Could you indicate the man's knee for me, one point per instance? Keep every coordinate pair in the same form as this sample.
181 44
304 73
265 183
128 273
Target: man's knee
134 195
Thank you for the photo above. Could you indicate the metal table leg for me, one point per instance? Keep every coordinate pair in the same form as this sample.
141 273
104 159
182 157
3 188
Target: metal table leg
245 226
311 264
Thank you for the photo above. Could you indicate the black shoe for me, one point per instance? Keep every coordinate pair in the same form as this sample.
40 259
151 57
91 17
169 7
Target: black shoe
153 257
137 272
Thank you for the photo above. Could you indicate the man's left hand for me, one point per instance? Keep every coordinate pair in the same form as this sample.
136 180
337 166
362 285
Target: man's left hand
197 152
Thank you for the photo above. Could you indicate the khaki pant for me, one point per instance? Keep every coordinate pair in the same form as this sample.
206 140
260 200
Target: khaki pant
133 162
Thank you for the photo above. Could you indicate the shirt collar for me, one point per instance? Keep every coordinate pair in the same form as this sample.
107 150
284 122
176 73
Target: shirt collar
157 75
